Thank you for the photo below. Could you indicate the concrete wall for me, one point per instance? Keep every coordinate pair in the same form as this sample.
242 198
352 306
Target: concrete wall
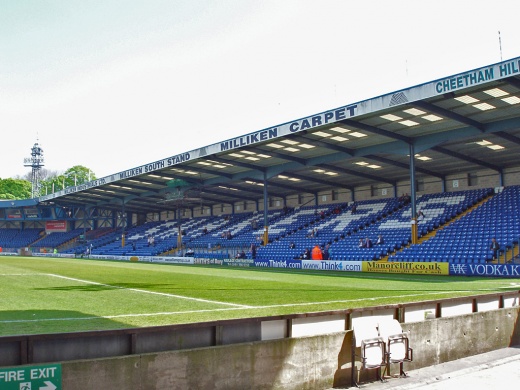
314 362
444 339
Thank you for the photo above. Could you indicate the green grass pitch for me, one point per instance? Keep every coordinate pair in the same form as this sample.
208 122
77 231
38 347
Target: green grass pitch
50 295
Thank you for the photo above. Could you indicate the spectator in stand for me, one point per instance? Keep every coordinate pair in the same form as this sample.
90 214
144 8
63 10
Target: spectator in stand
495 247
189 253
368 243
205 230
306 255
353 209
420 215
325 252
380 240
240 255
316 253
362 243
310 234
292 245
253 250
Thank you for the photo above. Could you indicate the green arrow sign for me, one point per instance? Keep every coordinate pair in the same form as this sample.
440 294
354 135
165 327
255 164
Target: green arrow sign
45 377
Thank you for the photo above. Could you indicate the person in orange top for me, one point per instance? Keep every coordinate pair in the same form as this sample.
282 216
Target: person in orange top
316 253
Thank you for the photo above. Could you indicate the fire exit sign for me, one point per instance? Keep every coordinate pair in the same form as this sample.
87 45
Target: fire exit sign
44 377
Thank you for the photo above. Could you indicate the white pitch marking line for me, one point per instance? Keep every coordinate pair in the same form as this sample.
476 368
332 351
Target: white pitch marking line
21 274
155 292
210 310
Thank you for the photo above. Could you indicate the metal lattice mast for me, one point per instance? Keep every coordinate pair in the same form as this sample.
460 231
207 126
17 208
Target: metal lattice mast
36 163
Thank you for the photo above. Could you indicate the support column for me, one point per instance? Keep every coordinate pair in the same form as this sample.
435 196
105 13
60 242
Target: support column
123 218
266 215
412 195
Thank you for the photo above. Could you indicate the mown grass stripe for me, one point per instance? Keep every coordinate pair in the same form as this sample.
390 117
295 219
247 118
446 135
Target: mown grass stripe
215 310
153 292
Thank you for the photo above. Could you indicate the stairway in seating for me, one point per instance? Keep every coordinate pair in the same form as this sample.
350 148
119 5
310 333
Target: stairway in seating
433 233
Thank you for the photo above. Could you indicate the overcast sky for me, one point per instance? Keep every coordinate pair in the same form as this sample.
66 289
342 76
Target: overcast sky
115 84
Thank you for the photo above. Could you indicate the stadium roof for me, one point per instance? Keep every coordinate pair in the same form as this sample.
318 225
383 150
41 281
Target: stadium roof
461 123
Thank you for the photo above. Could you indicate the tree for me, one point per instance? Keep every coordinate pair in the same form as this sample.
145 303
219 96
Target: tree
15 189
44 175
51 181
76 175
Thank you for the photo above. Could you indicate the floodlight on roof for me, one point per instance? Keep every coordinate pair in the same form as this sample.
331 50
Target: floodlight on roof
489 145
466 99
409 123
511 100
338 129
432 118
414 111
254 183
391 117
496 92
484 106
322 134
275 145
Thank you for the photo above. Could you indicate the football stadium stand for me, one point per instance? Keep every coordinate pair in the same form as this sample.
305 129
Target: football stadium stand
332 179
